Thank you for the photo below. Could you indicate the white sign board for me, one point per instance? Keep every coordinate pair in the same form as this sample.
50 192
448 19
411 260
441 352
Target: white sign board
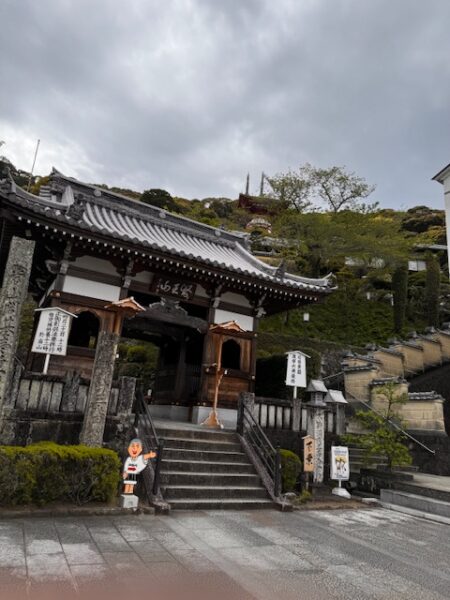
52 331
339 463
296 369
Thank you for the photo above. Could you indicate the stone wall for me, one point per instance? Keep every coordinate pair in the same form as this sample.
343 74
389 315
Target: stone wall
44 407
437 464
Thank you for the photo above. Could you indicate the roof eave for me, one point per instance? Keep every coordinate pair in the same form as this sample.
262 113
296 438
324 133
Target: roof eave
442 175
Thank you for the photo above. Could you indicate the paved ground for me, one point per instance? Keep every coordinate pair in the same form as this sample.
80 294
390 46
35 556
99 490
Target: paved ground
344 554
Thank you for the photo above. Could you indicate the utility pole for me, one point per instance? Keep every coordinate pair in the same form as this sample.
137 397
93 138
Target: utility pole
34 162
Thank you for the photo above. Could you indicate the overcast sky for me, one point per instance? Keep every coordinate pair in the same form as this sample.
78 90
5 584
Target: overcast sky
190 95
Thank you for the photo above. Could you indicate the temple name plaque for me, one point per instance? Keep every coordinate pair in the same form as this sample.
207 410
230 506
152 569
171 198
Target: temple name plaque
174 287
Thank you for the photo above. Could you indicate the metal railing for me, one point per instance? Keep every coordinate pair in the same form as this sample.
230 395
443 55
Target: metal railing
392 423
251 431
145 428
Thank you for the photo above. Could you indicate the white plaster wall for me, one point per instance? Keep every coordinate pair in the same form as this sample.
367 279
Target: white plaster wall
244 321
201 292
447 215
143 277
233 298
91 263
91 289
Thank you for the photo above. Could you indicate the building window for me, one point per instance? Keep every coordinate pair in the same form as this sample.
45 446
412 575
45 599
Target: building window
231 355
84 331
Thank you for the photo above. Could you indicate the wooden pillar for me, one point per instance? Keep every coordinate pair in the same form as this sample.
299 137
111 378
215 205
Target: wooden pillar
13 294
63 268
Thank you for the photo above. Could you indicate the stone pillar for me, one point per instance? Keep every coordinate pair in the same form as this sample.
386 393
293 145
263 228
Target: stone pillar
70 392
246 400
127 392
100 389
12 297
316 428
340 419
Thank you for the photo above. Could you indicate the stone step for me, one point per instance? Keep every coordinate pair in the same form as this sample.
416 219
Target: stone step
188 492
411 487
201 444
416 502
207 456
220 504
358 453
194 466
179 478
204 434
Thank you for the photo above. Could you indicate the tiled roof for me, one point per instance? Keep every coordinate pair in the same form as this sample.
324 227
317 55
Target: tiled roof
385 380
349 369
390 351
367 358
424 396
92 209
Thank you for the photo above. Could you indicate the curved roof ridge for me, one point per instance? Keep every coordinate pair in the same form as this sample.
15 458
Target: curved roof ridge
136 204
271 270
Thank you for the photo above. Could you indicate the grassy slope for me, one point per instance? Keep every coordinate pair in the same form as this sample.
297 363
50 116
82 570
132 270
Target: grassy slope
340 321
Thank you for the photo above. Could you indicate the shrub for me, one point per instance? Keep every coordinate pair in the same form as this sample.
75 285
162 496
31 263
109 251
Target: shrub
47 472
290 468
138 354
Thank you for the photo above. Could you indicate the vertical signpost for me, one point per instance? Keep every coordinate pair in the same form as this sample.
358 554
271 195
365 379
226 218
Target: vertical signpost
52 333
309 457
296 370
340 469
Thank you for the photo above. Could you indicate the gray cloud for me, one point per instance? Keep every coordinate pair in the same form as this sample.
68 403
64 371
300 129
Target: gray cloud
189 95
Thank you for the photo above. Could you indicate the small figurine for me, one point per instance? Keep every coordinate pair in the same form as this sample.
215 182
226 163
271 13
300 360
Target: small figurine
135 464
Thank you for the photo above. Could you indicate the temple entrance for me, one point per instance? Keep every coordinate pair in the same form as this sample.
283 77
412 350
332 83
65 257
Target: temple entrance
178 338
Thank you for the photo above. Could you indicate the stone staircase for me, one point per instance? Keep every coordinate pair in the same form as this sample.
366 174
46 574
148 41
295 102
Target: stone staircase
208 469
357 461
423 492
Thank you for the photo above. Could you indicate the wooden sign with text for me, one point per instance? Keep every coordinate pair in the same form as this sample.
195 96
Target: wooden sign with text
165 286
309 454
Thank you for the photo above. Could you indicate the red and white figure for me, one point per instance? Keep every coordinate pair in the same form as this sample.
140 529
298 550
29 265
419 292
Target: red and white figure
134 464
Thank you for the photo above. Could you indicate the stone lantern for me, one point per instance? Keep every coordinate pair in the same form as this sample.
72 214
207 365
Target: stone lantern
336 402
317 393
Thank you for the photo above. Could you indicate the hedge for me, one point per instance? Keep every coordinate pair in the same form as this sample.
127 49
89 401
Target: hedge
291 465
47 472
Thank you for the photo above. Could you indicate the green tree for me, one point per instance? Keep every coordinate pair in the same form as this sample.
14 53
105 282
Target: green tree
432 290
400 295
326 240
160 199
292 189
340 189
382 437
